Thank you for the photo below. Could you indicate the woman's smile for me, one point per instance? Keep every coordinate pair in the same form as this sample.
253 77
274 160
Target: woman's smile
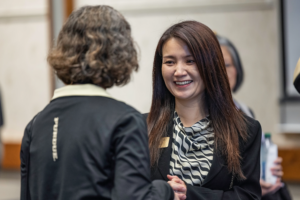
182 84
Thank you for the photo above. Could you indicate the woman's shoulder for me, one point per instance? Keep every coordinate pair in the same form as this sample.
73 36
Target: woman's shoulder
253 133
114 107
145 115
252 124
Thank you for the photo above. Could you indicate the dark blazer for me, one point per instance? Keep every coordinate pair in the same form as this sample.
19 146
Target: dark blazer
87 145
216 186
1 112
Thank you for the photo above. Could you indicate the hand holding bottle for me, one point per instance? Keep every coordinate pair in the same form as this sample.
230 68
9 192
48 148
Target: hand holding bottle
277 168
268 188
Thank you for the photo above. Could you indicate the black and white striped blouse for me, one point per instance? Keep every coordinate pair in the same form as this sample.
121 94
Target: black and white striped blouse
192 150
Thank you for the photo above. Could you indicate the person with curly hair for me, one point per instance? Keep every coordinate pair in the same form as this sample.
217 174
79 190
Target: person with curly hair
85 144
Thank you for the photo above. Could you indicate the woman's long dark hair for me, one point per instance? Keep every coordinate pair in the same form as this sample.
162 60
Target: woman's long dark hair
227 121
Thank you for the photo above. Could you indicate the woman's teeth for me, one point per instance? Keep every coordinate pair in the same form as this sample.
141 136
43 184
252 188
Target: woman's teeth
182 82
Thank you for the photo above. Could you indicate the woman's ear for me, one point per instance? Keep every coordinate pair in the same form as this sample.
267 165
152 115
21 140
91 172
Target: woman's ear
297 76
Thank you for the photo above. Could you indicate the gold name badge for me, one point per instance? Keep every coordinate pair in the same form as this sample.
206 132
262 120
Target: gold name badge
164 142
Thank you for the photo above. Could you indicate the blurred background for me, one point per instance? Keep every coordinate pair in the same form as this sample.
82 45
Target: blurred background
265 32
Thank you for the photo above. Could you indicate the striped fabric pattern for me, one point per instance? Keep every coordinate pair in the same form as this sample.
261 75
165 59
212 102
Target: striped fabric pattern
192 150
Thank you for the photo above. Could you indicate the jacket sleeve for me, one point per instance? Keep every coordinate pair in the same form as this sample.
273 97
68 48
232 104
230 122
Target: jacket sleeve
24 155
132 163
1 113
248 189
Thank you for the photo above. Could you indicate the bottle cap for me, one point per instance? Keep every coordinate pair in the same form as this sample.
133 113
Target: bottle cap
267 135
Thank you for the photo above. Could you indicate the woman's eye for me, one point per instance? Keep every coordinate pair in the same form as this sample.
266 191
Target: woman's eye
190 61
169 62
227 65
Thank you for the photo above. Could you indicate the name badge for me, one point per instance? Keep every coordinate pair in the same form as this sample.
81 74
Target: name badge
164 142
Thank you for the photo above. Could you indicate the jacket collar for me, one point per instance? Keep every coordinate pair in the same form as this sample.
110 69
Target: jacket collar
164 162
80 90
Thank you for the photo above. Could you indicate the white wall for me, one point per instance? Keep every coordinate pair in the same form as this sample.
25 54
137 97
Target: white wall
251 25
24 73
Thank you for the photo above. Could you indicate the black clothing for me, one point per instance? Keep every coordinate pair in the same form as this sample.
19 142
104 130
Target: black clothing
217 184
1 112
87 146
297 82
282 194
1 124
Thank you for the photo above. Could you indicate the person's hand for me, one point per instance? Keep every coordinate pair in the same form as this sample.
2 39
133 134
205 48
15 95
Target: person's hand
178 186
176 196
277 168
268 188
179 196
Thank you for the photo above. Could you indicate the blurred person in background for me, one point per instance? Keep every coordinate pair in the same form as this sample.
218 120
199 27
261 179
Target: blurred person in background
84 144
195 130
235 73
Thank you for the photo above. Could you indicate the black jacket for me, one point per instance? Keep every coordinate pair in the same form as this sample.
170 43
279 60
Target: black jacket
1 113
217 183
86 145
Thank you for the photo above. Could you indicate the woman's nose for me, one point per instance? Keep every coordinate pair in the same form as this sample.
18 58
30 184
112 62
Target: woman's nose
180 69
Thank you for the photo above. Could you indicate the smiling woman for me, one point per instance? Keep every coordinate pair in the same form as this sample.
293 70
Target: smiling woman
198 140
180 73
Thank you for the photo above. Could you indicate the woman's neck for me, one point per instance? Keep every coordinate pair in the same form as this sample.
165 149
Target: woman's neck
191 111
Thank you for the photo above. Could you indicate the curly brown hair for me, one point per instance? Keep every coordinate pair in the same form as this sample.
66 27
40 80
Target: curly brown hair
94 46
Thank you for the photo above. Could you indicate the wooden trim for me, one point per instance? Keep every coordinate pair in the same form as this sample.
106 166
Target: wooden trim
290 164
51 40
11 156
69 7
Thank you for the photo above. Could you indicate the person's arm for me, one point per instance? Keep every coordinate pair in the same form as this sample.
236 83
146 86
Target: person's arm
132 163
24 156
248 189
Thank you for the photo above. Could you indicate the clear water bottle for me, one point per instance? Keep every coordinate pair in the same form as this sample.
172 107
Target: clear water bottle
269 153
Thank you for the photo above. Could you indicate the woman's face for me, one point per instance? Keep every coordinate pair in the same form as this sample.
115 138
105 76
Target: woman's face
180 71
230 68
